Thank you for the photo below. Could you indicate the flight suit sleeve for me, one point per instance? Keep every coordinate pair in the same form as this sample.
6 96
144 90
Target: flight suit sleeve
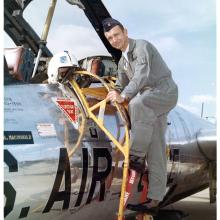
118 87
122 79
141 74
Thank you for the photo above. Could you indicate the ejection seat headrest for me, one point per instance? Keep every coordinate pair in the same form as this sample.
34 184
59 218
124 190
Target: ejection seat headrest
14 60
94 66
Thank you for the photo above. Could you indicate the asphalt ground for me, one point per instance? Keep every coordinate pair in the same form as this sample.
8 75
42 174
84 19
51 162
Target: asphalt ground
197 207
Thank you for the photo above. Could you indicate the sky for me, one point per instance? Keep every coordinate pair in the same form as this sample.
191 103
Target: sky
183 31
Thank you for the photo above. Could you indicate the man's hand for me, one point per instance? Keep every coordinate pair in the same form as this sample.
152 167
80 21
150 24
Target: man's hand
114 96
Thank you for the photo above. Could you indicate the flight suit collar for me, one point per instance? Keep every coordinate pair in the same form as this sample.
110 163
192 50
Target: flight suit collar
126 63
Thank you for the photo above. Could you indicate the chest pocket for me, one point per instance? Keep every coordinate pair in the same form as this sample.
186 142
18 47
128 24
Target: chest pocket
137 60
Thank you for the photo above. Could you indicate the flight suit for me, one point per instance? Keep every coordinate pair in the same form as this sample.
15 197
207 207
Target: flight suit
146 81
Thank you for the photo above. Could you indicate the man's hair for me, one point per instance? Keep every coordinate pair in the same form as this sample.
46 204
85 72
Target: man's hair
121 26
109 23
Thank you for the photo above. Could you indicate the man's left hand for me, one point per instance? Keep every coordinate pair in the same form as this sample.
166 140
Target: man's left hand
114 96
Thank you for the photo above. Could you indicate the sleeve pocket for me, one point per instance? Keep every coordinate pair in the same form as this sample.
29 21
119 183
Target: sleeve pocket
141 60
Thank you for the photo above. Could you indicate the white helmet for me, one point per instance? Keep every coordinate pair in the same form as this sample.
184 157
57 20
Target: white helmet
61 59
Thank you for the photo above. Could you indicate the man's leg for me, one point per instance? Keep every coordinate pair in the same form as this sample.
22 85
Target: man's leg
157 161
157 169
142 126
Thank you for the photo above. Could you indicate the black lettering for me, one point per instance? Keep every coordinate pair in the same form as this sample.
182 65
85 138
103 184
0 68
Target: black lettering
10 161
84 176
100 175
9 191
24 212
10 195
56 195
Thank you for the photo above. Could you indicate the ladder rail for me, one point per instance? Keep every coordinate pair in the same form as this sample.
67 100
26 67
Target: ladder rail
123 147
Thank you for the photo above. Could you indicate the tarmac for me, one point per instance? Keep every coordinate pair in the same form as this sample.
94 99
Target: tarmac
197 207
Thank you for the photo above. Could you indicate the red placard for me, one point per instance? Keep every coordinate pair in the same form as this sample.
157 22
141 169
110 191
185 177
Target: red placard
130 182
69 107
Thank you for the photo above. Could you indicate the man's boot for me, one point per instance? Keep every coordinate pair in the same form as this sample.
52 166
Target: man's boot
149 206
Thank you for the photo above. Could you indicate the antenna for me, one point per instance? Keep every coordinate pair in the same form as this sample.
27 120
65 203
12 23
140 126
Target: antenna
202 109
45 33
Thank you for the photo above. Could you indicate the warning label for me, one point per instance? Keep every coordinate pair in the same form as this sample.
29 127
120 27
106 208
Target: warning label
46 130
69 107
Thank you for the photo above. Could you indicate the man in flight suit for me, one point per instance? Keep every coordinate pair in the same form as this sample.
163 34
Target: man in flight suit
145 81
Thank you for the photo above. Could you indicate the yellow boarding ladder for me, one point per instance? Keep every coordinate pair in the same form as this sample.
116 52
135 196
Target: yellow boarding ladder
122 146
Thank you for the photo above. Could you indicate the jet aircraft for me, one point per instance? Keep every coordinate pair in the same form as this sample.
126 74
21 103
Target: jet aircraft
63 144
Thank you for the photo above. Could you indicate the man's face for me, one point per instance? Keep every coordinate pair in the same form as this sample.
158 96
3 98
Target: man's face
62 71
117 37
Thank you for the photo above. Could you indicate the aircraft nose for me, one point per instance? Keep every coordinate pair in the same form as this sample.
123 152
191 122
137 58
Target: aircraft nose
207 140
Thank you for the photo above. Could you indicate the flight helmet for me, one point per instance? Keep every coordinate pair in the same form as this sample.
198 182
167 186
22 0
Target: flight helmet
58 64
